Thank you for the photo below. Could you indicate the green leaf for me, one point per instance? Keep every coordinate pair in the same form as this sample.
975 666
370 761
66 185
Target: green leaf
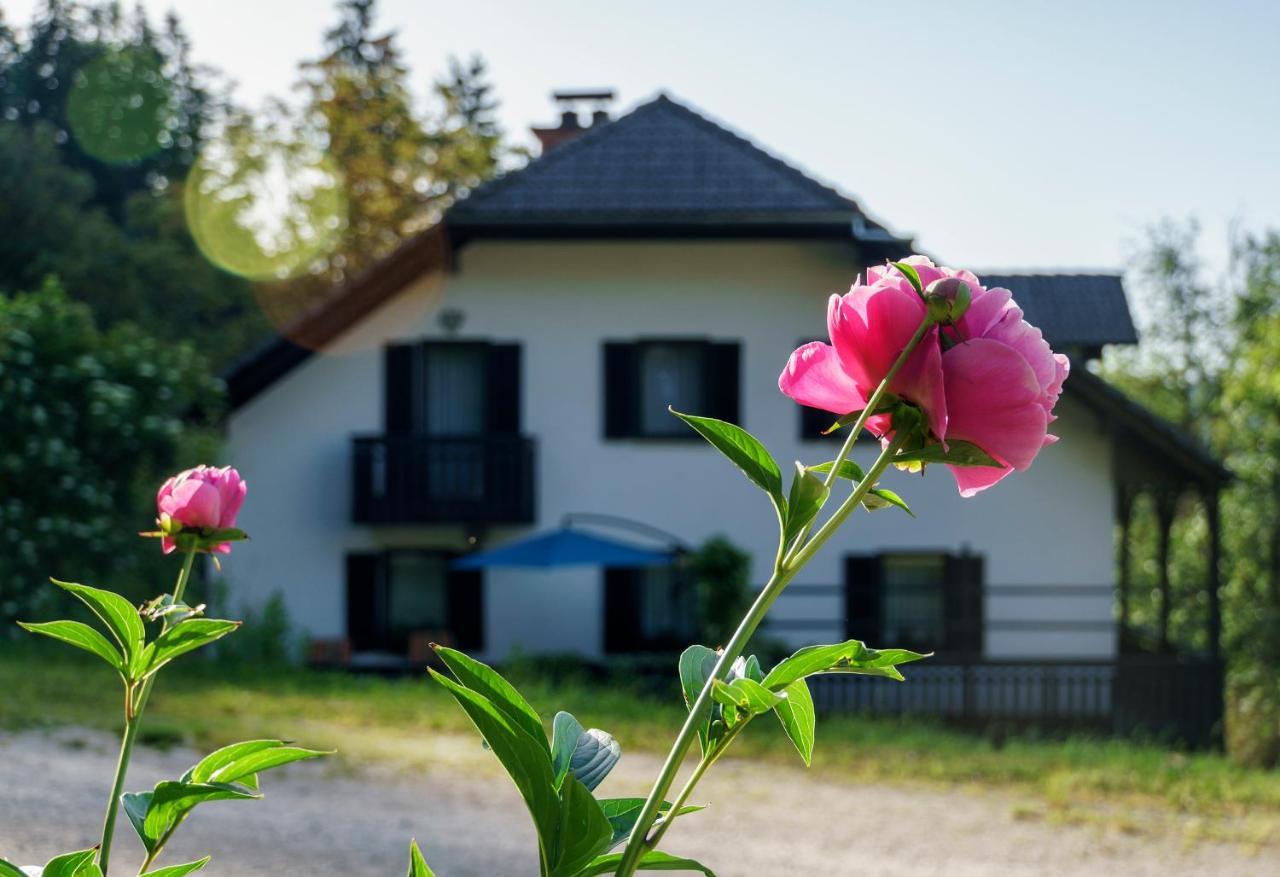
744 698
81 636
911 274
654 860
595 756
179 870
485 681
958 453
587 755
808 493
881 498
851 656
876 498
527 759
565 733
239 761
69 864
849 470
417 864
10 870
696 664
752 667
118 614
622 814
172 800
797 718
745 451
186 636
135 806
584 830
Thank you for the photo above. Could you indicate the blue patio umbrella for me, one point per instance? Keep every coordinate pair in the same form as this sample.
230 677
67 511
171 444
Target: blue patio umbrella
566 547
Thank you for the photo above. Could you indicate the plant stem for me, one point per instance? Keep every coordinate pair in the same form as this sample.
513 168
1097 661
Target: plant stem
638 845
133 720
786 566
802 555
639 842
872 403
694 777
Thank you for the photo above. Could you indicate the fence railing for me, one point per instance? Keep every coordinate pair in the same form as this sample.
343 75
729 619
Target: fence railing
413 479
1165 697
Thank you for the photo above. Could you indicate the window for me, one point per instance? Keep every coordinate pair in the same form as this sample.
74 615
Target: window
642 378
911 605
452 388
394 595
926 601
648 609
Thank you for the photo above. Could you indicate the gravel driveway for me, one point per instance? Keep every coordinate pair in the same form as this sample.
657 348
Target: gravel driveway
771 821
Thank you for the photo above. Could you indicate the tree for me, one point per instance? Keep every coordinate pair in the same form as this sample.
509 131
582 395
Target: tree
359 103
93 421
465 139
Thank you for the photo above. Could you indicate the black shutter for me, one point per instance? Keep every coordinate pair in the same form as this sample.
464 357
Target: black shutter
622 632
962 603
466 608
365 606
398 384
863 587
504 389
722 366
812 423
621 390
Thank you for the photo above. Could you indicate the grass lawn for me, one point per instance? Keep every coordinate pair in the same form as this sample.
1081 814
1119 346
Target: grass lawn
42 685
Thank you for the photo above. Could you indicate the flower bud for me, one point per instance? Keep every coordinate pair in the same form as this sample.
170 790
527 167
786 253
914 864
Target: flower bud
947 299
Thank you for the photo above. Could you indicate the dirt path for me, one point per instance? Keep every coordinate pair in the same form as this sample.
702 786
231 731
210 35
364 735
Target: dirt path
763 822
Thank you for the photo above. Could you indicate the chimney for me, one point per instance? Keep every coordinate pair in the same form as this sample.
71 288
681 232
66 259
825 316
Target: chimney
570 104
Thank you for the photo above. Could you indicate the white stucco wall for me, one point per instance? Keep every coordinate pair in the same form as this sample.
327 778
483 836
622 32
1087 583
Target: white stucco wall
1050 526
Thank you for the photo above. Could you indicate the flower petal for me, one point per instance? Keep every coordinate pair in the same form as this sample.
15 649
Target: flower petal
993 400
814 377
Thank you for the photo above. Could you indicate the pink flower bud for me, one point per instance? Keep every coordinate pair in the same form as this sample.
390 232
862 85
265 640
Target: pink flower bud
200 499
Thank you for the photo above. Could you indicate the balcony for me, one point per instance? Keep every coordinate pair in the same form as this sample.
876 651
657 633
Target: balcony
418 479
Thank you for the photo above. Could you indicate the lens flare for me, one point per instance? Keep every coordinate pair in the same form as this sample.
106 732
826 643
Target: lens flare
262 208
120 106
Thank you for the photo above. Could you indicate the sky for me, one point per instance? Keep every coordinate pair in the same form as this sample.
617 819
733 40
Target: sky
1028 135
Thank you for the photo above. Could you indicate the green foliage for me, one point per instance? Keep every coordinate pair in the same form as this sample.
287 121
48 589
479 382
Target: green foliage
229 774
654 860
1207 363
77 864
93 421
266 639
720 572
797 717
554 778
846 657
746 452
417 864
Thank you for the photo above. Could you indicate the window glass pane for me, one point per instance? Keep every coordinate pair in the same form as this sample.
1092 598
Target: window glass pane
417 595
913 600
670 374
454 386
666 605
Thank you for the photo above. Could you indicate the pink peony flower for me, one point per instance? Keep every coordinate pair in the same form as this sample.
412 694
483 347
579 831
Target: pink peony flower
203 498
869 327
1002 383
991 379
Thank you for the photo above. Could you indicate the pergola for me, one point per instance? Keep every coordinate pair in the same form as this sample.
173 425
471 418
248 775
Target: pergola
1155 459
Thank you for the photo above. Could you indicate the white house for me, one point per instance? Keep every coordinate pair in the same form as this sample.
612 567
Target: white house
513 365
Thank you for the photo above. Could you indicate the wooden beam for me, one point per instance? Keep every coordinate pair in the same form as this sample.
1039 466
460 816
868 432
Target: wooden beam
1166 509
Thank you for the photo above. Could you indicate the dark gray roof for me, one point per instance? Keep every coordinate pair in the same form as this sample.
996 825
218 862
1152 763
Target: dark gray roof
662 162
1073 310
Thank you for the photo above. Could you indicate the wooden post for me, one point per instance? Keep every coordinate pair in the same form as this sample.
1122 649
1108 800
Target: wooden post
1124 515
1166 507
